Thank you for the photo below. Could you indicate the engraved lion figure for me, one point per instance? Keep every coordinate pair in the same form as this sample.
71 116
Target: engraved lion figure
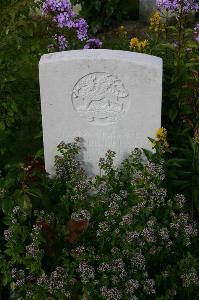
99 96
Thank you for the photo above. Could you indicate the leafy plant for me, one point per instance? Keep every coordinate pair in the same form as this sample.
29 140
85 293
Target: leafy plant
177 44
116 236
21 44
183 172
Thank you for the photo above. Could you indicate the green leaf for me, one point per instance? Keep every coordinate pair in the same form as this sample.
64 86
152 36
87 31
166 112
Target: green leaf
173 113
169 46
97 4
148 153
2 126
7 205
25 203
35 192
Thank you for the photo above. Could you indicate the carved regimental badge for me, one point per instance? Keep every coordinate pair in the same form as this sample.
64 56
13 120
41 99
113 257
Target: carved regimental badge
100 97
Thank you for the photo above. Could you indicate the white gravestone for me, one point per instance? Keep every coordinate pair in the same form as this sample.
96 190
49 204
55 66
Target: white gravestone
111 99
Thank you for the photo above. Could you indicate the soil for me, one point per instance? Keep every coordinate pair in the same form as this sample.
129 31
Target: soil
135 28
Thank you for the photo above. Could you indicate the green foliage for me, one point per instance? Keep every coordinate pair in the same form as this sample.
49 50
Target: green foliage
116 235
103 13
21 44
180 111
183 171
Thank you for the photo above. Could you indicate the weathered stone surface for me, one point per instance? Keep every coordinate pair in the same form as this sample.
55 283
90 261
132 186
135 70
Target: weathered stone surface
111 99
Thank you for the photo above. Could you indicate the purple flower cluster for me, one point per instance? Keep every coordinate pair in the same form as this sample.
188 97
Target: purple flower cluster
184 6
63 15
81 27
64 20
60 41
58 6
93 44
196 32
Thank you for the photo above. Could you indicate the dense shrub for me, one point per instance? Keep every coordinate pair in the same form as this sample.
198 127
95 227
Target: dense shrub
115 236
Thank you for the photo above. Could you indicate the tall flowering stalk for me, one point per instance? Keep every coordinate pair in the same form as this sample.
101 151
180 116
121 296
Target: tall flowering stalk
157 29
62 15
178 47
160 142
155 23
196 32
180 8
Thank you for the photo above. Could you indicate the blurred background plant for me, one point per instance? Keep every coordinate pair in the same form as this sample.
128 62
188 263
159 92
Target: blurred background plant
103 13
173 35
178 45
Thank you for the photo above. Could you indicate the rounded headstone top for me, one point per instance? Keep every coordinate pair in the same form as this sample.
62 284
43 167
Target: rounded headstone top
102 54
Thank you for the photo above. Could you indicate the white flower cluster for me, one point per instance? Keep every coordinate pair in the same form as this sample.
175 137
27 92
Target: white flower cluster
81 215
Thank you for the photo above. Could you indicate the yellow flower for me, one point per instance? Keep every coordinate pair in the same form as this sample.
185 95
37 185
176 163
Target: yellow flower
139 45
143 44
161 133
121 28
134 42
122 31
155 23
160 141
155 18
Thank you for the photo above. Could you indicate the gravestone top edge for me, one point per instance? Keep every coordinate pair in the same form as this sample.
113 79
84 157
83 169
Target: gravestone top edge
99 54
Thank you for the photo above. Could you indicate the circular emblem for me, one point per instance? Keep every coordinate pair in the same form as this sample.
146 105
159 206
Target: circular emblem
101 98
